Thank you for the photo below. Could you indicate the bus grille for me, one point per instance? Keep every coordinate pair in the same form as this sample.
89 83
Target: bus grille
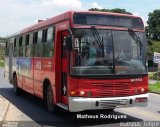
113 103
112 89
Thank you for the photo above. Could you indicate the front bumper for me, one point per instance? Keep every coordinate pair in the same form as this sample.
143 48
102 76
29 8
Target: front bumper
80 103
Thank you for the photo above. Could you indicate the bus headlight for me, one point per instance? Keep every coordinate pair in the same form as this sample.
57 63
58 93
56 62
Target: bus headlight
81 93
142 90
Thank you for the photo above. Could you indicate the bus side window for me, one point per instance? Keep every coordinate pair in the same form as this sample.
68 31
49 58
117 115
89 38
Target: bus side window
23 46
35 37
48 46
20 46
31 44
27 48
7 49
15 48
40 36
39 45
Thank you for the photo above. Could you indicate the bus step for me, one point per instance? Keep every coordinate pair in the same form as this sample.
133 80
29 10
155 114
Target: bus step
62 106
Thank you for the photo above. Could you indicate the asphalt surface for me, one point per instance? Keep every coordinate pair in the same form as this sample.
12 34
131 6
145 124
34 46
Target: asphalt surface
31 111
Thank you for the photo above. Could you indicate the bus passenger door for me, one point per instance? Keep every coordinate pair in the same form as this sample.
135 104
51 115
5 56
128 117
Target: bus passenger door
64 67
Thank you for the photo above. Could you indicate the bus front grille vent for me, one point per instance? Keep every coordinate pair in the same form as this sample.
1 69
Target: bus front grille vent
112 89
113 103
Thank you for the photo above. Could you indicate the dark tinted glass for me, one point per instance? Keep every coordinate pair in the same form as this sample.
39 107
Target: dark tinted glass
107 20
7 49
38 50
48 45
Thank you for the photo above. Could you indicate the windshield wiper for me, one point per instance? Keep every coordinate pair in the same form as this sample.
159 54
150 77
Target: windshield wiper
136 38
99 40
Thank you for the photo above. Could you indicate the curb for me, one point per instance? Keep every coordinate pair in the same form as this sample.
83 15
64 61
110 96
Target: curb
4 106
155 92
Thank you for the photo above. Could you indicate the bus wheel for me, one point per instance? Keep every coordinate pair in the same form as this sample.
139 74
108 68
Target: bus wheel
49 100
17 90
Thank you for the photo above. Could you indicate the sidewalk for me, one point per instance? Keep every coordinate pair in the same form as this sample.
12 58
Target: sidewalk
4 104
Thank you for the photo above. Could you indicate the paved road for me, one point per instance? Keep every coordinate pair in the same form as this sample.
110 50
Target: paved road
31 111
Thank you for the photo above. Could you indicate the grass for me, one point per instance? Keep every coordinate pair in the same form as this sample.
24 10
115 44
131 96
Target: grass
153 75
154 87
1 63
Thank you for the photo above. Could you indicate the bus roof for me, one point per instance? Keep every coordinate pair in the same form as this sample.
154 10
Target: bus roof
105 13
63 17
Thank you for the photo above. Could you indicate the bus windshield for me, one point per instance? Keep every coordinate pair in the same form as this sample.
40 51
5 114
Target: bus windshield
119 54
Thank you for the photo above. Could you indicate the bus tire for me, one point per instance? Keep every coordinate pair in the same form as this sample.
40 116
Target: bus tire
17 90
49 100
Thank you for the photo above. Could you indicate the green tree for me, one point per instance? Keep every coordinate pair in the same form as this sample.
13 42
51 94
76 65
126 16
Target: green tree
154 24
154 46
147 31
116 10
2 40
148 36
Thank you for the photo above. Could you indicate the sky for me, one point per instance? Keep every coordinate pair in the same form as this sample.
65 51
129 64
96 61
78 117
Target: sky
18 14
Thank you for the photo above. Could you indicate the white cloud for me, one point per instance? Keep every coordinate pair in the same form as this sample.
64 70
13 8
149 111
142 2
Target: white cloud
18 14
136 13
91 5
144 20
95 5
73 4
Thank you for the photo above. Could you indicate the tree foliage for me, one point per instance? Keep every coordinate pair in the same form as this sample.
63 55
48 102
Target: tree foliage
154 24
116 10
147 31
2 39
153 47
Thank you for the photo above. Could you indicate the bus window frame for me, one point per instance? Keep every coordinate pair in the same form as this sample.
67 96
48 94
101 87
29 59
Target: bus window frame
46 41
39 42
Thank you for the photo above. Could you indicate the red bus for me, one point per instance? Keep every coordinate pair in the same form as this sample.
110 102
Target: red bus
81 61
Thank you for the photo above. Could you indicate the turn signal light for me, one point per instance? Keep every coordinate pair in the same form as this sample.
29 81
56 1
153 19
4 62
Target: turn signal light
73 93
80 93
